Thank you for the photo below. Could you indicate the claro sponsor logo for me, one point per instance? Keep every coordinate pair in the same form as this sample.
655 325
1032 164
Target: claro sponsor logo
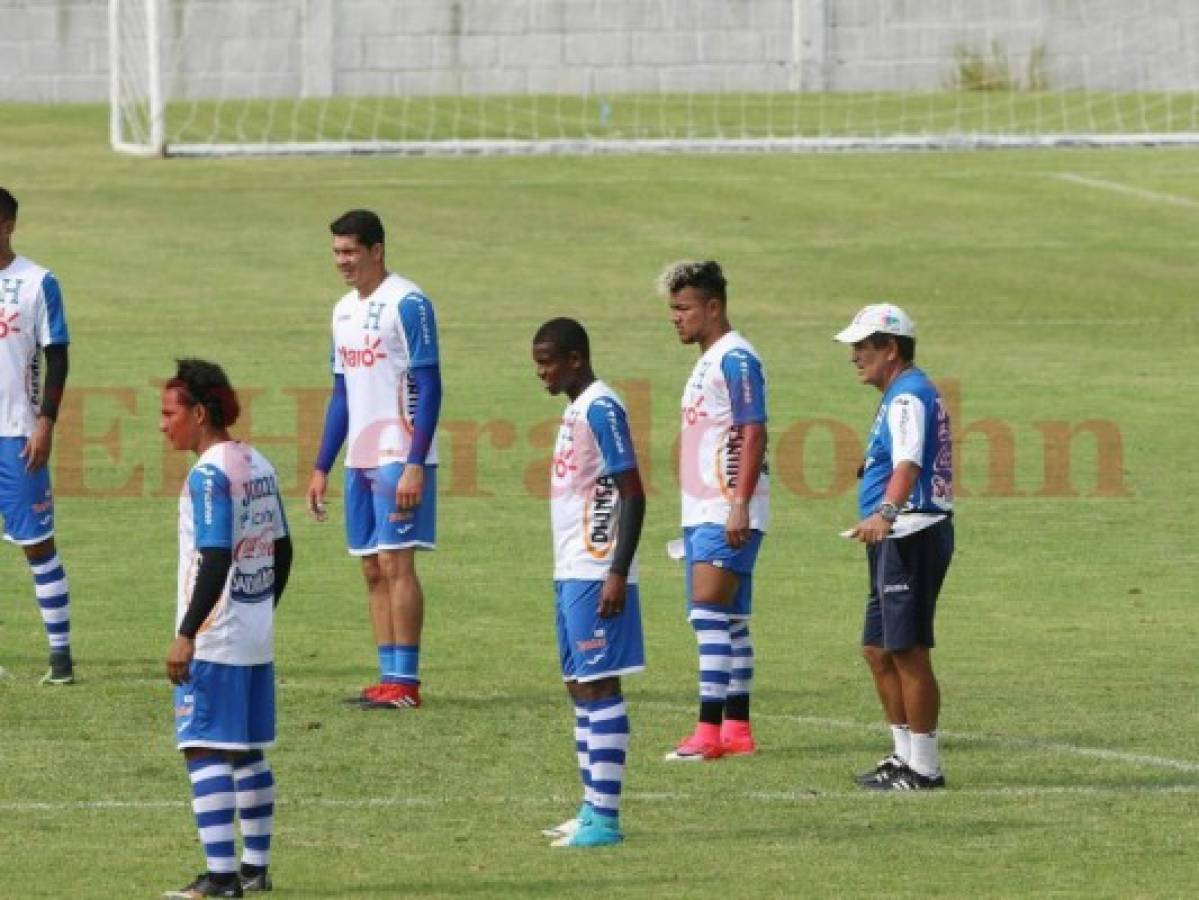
362 357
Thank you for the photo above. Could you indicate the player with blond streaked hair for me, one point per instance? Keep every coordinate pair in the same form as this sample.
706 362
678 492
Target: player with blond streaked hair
725 503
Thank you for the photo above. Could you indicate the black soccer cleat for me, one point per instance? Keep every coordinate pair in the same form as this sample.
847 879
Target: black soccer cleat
62 669
208 884
255 879
885 768
908 780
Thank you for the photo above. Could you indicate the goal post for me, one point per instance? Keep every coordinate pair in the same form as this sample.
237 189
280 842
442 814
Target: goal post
258 77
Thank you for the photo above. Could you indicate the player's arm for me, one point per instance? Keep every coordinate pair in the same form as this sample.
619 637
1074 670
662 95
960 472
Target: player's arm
52 330
419 325
212 509
337 425
283 558
747 397
905 421
610 427
628 536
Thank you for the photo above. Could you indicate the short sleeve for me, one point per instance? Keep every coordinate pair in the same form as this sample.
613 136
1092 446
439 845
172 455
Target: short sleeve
610 426
905 420
53 326
212 508
747 387
420 330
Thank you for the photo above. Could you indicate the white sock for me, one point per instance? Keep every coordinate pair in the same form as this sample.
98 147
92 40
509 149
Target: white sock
901 735
925 758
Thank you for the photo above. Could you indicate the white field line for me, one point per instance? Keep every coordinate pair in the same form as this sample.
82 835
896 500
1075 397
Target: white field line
1115 187
1136 760
764 797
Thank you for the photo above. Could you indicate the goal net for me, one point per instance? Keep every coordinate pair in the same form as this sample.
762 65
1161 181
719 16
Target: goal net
212 77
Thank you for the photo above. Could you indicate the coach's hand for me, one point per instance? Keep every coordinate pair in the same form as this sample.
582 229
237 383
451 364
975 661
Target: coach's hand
179 658
736 528
410 487
612 595
37 449
317 485
871 530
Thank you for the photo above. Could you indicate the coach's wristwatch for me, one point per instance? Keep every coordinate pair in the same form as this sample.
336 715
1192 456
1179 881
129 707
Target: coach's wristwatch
889 512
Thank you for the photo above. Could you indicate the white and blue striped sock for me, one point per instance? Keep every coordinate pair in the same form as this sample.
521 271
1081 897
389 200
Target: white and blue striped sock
54 600
715 654
255 786
741 676
608 748
214 804
583 754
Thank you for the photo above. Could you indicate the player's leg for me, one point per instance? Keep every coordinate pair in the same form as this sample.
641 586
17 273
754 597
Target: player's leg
254 784
602 649
736 734
582 728
54 603
401 534
209 714
885 678
27 505
710 592
362 541
607 750
910 571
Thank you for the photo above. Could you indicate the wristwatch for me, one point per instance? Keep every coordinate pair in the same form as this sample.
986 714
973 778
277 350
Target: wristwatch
889 512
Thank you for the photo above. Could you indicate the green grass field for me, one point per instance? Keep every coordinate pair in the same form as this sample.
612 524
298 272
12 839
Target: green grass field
1049 287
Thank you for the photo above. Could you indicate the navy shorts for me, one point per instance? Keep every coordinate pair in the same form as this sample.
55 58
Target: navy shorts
905 579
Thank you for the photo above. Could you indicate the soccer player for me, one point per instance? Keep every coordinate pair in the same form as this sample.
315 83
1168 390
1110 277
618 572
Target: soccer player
386 400
33 325
905 502
725 503
234 560
597 506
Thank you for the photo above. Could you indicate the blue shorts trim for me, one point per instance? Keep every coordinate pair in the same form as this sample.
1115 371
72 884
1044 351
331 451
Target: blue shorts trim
374 522
591 648
226 707
26 501
708 544
906 575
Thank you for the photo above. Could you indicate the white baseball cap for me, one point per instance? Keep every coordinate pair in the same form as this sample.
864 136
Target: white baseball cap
877 318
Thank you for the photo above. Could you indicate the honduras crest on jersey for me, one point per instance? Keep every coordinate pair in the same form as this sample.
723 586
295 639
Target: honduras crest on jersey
377 342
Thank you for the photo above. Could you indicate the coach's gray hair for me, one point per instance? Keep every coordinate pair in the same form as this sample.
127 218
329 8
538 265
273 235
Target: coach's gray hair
704 276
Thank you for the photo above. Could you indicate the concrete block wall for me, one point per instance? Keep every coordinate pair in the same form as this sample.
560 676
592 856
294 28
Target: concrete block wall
56 50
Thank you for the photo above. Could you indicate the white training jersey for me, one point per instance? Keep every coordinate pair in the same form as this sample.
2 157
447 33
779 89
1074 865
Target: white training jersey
31 317
377 342
594 445
231 501
726 390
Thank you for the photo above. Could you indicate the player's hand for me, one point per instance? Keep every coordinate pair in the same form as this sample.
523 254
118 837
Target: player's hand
612 595
37 449
317 485
179 658
871 530
736 529
410 487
